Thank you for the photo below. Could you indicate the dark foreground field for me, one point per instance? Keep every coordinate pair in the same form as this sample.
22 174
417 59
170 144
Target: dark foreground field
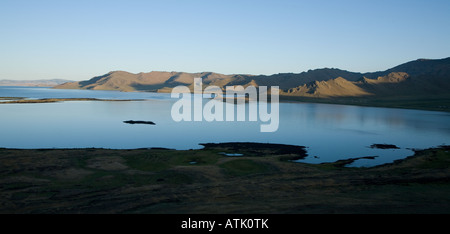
264 181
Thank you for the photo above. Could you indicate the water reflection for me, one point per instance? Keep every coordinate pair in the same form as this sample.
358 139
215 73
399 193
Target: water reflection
331 132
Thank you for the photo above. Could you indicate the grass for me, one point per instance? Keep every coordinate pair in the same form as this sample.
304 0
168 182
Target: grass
406 197
110 180
439 160
243 167
148 162
20 196
162 160
201 158
154 181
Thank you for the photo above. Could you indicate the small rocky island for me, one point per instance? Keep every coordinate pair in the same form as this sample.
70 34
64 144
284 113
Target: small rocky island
384 146
139 122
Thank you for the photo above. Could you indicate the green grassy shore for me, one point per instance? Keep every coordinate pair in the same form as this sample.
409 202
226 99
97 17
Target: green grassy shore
263 181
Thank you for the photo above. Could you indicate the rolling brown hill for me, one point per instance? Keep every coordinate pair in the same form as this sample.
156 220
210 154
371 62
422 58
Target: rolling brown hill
422 77
153 81
338 87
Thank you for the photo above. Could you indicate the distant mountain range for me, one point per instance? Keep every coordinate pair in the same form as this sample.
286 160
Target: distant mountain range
36 83
416 78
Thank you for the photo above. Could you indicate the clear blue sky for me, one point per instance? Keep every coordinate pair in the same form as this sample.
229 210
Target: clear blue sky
80 39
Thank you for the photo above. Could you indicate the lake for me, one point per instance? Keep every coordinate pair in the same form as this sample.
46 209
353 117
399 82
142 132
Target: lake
331 132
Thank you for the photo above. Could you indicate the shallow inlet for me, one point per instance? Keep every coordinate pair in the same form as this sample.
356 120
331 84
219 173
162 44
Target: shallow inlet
231 154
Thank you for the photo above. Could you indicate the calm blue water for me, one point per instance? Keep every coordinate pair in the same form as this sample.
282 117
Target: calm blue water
331 132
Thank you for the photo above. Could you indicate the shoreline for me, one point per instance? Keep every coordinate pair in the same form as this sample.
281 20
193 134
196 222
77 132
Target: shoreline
204 181
22 100
425 104
439 104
